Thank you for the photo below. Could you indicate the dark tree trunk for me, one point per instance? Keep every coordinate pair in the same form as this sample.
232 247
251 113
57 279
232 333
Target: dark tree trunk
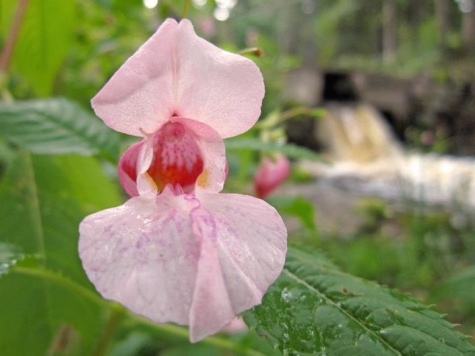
468 31
442 14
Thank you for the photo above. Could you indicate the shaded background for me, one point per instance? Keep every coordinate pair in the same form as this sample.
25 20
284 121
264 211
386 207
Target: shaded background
382 91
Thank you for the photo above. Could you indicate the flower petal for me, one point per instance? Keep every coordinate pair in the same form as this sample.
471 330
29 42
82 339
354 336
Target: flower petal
237 325
211 307
127 168
242 253
214 153
174 258
139 96
177 73
143 255
218 88
145 184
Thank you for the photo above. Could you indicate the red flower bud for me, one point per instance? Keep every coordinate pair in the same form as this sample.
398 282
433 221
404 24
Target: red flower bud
270 174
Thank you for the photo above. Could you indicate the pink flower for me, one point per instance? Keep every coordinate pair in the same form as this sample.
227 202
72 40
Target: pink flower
178 250
237 325
270 175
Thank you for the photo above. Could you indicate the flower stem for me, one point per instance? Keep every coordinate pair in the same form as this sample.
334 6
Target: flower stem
186 9
117 313
252 51
288 114
7 52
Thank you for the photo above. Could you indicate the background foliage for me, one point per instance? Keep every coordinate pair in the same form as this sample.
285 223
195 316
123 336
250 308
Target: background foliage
57 165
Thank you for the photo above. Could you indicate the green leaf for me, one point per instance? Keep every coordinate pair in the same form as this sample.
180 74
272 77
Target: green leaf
9 256
315 309
37 314
461 286
56 126
299 207
290 150
43 200
67 339
43 42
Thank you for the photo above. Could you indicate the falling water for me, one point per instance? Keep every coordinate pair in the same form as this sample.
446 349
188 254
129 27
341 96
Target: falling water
367 157
356 133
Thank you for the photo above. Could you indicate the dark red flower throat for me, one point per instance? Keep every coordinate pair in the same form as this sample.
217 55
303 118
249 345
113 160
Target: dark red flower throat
177 159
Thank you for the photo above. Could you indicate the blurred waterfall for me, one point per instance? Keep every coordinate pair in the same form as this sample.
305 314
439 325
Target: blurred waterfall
356 133
367 157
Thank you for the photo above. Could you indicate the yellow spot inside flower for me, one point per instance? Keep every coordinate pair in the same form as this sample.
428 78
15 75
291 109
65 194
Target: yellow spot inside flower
151 181
203 179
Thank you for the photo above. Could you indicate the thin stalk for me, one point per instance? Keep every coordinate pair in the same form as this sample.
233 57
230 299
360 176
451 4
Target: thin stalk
117 313
186 9
7 51
274 121
288 114
252 51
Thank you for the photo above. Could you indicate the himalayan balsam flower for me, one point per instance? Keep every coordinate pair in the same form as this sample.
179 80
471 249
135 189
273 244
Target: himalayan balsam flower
270 174
179 251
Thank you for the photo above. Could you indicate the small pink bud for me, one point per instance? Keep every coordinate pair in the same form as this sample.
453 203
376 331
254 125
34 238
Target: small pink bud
270 174
207 26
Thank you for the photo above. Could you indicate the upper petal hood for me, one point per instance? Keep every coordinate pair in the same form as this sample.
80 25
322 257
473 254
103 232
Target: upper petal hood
139 96
177 73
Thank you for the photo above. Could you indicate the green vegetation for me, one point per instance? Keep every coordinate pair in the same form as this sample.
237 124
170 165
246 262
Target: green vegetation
58 164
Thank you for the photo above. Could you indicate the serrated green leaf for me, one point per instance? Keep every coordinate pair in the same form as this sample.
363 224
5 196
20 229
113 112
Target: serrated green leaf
44 39
56 126
315 309
254 144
